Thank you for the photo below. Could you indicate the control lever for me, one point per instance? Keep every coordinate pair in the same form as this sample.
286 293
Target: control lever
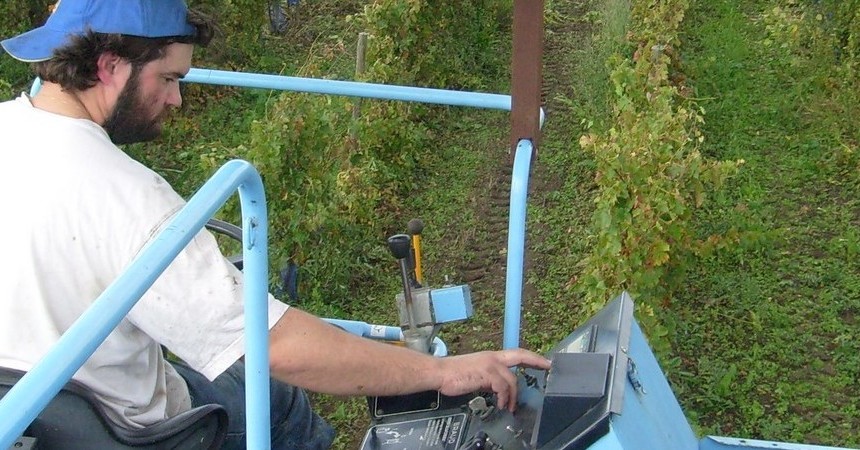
415 227
400 246
480 407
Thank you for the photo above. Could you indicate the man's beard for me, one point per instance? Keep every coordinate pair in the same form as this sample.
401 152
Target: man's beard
131 121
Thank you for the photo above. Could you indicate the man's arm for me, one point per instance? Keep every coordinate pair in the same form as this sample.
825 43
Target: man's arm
308 352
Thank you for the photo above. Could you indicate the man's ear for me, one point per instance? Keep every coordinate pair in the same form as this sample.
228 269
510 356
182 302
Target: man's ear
107 66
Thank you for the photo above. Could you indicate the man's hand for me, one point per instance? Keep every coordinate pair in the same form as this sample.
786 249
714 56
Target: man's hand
309 353
488 371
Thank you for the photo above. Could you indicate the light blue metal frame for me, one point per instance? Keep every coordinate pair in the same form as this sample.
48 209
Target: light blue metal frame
522 158
668 427
34 391
41 384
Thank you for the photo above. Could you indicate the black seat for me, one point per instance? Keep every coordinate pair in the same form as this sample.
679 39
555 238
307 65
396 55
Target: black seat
74 420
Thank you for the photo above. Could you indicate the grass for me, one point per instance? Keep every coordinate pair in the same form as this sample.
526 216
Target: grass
763 328
765 331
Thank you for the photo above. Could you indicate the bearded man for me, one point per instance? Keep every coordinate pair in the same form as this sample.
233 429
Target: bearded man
82 210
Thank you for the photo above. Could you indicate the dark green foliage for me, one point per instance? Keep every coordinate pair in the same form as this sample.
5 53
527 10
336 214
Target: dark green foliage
333 182
649 172
434 43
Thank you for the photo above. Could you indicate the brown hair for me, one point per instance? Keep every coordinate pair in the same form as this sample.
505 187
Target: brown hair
73 66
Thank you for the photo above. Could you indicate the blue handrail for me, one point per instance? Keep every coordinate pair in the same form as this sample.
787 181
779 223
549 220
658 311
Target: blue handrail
22 404
522 160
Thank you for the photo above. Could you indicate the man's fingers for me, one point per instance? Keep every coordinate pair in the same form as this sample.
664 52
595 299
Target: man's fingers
489 370
507 397
505 388
521 357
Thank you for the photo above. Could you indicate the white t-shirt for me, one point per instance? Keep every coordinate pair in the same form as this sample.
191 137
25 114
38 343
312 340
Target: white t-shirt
77 211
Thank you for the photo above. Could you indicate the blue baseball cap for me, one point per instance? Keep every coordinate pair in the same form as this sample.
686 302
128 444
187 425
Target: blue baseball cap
144 18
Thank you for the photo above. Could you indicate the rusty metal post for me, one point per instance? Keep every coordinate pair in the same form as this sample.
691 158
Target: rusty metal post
360 65
526 71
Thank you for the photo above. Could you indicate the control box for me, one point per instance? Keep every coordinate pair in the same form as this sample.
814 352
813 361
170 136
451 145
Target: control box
566 407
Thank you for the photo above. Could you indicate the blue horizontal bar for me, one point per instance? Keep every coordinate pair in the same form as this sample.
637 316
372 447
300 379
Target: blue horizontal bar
728 443
384 333
350 88
364 329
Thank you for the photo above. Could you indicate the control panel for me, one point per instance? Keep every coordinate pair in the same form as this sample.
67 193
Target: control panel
565 407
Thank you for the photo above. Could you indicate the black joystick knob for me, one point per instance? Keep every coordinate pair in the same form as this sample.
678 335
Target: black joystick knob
400 245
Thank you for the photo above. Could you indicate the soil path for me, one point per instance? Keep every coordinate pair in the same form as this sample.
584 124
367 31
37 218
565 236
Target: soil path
485 270
486 273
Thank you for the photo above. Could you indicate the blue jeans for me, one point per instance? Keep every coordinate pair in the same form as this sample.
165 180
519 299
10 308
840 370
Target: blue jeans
294 425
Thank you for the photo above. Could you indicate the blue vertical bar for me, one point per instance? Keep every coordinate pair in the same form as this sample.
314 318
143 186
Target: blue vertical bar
256 269
516 243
